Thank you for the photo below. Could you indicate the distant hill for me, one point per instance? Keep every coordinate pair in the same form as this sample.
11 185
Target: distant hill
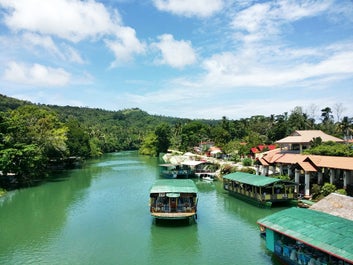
8 103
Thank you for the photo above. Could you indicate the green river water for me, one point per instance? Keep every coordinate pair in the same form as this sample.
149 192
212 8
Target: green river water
99 214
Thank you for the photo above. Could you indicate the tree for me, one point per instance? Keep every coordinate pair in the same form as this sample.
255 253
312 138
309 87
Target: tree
345 127
31 124
193 133
298 120
162 133
326 115
78 141
327 121
149 145
26 163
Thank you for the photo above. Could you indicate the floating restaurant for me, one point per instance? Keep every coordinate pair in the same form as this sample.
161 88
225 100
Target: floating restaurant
305 236
173 199
260 190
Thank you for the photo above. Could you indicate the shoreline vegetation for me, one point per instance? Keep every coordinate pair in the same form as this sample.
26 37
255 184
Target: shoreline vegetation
32 136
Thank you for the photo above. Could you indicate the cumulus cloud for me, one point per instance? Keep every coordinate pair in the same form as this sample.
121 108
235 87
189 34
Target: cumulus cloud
63 52
72 21
264 20
36 74
198 8
228 70
175 53
125 45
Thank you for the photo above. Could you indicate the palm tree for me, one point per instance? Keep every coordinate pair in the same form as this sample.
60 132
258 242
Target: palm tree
345 127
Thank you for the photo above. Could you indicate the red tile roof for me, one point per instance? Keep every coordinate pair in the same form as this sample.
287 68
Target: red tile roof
308 162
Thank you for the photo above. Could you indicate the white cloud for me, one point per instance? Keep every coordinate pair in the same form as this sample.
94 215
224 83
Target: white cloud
43 41
63 52
229 70
199 8
175 53
68 19
265 20
36 75
73 21
125 45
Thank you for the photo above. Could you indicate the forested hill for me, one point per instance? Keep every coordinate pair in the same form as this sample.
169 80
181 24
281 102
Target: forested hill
110 130
33 137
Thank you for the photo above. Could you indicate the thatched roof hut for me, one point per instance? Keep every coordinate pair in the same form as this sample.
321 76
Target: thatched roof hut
336 204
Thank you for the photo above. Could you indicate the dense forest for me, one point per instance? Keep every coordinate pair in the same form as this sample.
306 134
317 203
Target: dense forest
36 138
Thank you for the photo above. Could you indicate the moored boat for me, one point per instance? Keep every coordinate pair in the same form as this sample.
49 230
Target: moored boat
173 199
303 236
260 190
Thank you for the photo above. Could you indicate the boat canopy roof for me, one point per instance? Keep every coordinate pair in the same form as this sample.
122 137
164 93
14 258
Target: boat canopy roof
326 232
254 180
174 186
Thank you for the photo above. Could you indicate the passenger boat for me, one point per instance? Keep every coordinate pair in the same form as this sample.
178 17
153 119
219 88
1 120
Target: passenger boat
175 171
168 171
173 199
260 190
303 236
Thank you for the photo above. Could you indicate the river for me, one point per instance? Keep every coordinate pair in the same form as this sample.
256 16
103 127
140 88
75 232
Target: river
99 214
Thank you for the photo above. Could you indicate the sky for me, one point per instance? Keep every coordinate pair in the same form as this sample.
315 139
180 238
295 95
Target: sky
199 59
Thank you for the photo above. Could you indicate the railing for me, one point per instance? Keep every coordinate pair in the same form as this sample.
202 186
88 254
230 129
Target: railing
166 208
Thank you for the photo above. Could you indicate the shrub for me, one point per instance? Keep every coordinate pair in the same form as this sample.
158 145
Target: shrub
341 191
316 191
327 189
247 162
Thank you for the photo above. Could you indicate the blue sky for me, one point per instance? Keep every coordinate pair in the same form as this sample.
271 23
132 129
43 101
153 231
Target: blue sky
180 58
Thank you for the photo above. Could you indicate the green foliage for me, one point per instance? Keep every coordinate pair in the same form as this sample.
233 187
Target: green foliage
247 162
25 163
283 177
31 124
316 141
78 141
149 145
56 133
327 189
192 133
247 170
316 191
162 133
331 149
341 191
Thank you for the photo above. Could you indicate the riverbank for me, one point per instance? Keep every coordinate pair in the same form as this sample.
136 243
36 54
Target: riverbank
224 166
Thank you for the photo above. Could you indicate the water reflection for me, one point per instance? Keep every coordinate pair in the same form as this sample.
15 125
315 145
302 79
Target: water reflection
177 239
35 215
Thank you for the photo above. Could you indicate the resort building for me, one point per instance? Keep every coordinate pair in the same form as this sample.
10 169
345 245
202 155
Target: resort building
307 170
300 140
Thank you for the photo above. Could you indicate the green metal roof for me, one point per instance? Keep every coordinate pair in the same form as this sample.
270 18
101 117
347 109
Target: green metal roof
174 185
322 231
251 179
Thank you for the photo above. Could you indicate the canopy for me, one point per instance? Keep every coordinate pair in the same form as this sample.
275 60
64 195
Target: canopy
328 233
254 180
174 186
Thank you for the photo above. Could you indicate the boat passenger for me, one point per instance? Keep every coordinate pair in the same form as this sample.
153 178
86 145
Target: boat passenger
293 255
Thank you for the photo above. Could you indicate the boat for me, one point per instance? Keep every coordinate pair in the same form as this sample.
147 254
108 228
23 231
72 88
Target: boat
175 171
174 199
304 236
168 171
260 190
